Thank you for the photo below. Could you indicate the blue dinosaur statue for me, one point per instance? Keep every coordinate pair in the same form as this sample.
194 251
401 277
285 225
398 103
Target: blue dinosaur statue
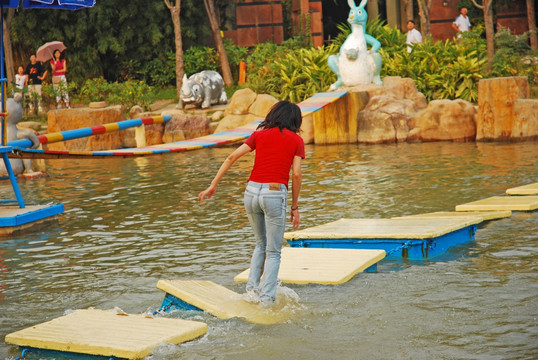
355 64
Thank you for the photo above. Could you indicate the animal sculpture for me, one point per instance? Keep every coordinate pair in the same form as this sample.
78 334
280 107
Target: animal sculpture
14 110
202 89
355 64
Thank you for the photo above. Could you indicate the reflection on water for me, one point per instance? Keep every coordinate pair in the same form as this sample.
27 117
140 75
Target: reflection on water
130 222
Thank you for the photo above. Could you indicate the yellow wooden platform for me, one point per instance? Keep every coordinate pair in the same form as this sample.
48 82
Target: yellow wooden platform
107 333
408 228
514 203
484 215
224 303
322 266
529 189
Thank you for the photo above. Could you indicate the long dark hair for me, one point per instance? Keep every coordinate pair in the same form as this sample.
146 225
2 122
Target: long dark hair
284 115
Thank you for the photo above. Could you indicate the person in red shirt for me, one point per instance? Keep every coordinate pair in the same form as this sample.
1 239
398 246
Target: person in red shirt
278 149
59 81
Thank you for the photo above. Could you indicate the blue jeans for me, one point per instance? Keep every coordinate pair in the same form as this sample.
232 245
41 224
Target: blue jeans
266 210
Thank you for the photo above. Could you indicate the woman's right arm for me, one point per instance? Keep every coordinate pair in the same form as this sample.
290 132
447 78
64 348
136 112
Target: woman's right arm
240 151
296 183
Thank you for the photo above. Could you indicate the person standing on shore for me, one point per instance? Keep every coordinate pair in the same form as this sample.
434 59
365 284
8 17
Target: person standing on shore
21 79
413 35
36 74
59 81
462 23
278 148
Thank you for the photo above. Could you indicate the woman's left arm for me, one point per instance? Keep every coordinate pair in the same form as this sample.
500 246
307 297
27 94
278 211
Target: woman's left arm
65 65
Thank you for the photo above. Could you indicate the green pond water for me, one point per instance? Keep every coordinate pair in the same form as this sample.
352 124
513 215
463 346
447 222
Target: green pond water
130 222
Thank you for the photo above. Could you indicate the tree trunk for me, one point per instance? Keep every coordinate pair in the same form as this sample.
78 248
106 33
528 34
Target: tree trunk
409 11
490 33
8 48
175 11
531 15
224 63
424 7
487 8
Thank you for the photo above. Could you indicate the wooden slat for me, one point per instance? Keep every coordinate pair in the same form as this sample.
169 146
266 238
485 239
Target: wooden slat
529 189
224 303
321 266
107 333
409 228
513 203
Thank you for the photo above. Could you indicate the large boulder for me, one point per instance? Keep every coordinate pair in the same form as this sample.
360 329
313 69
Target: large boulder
525 126
234 121
404 88
185 126
390 108
154 134
496 107
385 120
241 102
261 106
453 120
397 87
68 119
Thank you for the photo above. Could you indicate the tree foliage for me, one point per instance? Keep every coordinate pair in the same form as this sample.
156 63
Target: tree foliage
115 39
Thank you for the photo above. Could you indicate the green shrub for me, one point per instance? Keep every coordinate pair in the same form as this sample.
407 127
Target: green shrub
198 58
514 57
127 93
97 89
289 71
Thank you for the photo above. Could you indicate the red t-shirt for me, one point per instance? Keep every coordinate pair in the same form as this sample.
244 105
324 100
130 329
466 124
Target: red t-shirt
275 151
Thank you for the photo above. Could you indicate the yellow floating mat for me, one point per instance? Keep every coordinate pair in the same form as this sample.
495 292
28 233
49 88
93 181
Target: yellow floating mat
107 333
514 203
322 266
529 189
484 215
224 303
408 228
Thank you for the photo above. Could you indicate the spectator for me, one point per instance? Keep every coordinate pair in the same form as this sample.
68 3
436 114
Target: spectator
36 74
59 81
21 79
413 35
462 23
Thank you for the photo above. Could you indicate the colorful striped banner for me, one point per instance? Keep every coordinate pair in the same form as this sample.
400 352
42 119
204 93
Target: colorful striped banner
309 106
90 131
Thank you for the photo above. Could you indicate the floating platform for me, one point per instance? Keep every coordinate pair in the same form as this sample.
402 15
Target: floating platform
485 215
14 218
107 333
322 266
218 301
529 189
513 203
410 238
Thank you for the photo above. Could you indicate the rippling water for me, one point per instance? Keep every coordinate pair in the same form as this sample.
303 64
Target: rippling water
130 222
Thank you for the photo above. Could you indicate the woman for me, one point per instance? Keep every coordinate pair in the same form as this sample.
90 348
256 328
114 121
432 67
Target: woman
59 81
278 148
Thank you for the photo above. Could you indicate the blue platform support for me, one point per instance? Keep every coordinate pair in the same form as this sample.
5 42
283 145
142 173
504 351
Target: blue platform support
4 150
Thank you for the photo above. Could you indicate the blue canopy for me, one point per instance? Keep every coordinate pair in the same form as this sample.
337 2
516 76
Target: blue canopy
49 4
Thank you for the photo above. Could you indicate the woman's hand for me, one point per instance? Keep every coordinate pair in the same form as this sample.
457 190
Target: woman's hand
295 218
207 192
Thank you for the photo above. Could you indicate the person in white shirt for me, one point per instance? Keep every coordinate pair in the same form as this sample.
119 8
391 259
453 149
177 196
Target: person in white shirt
413 35
462 23
21 79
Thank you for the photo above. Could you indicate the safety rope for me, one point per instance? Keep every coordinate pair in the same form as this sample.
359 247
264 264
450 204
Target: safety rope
405 245
22 354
